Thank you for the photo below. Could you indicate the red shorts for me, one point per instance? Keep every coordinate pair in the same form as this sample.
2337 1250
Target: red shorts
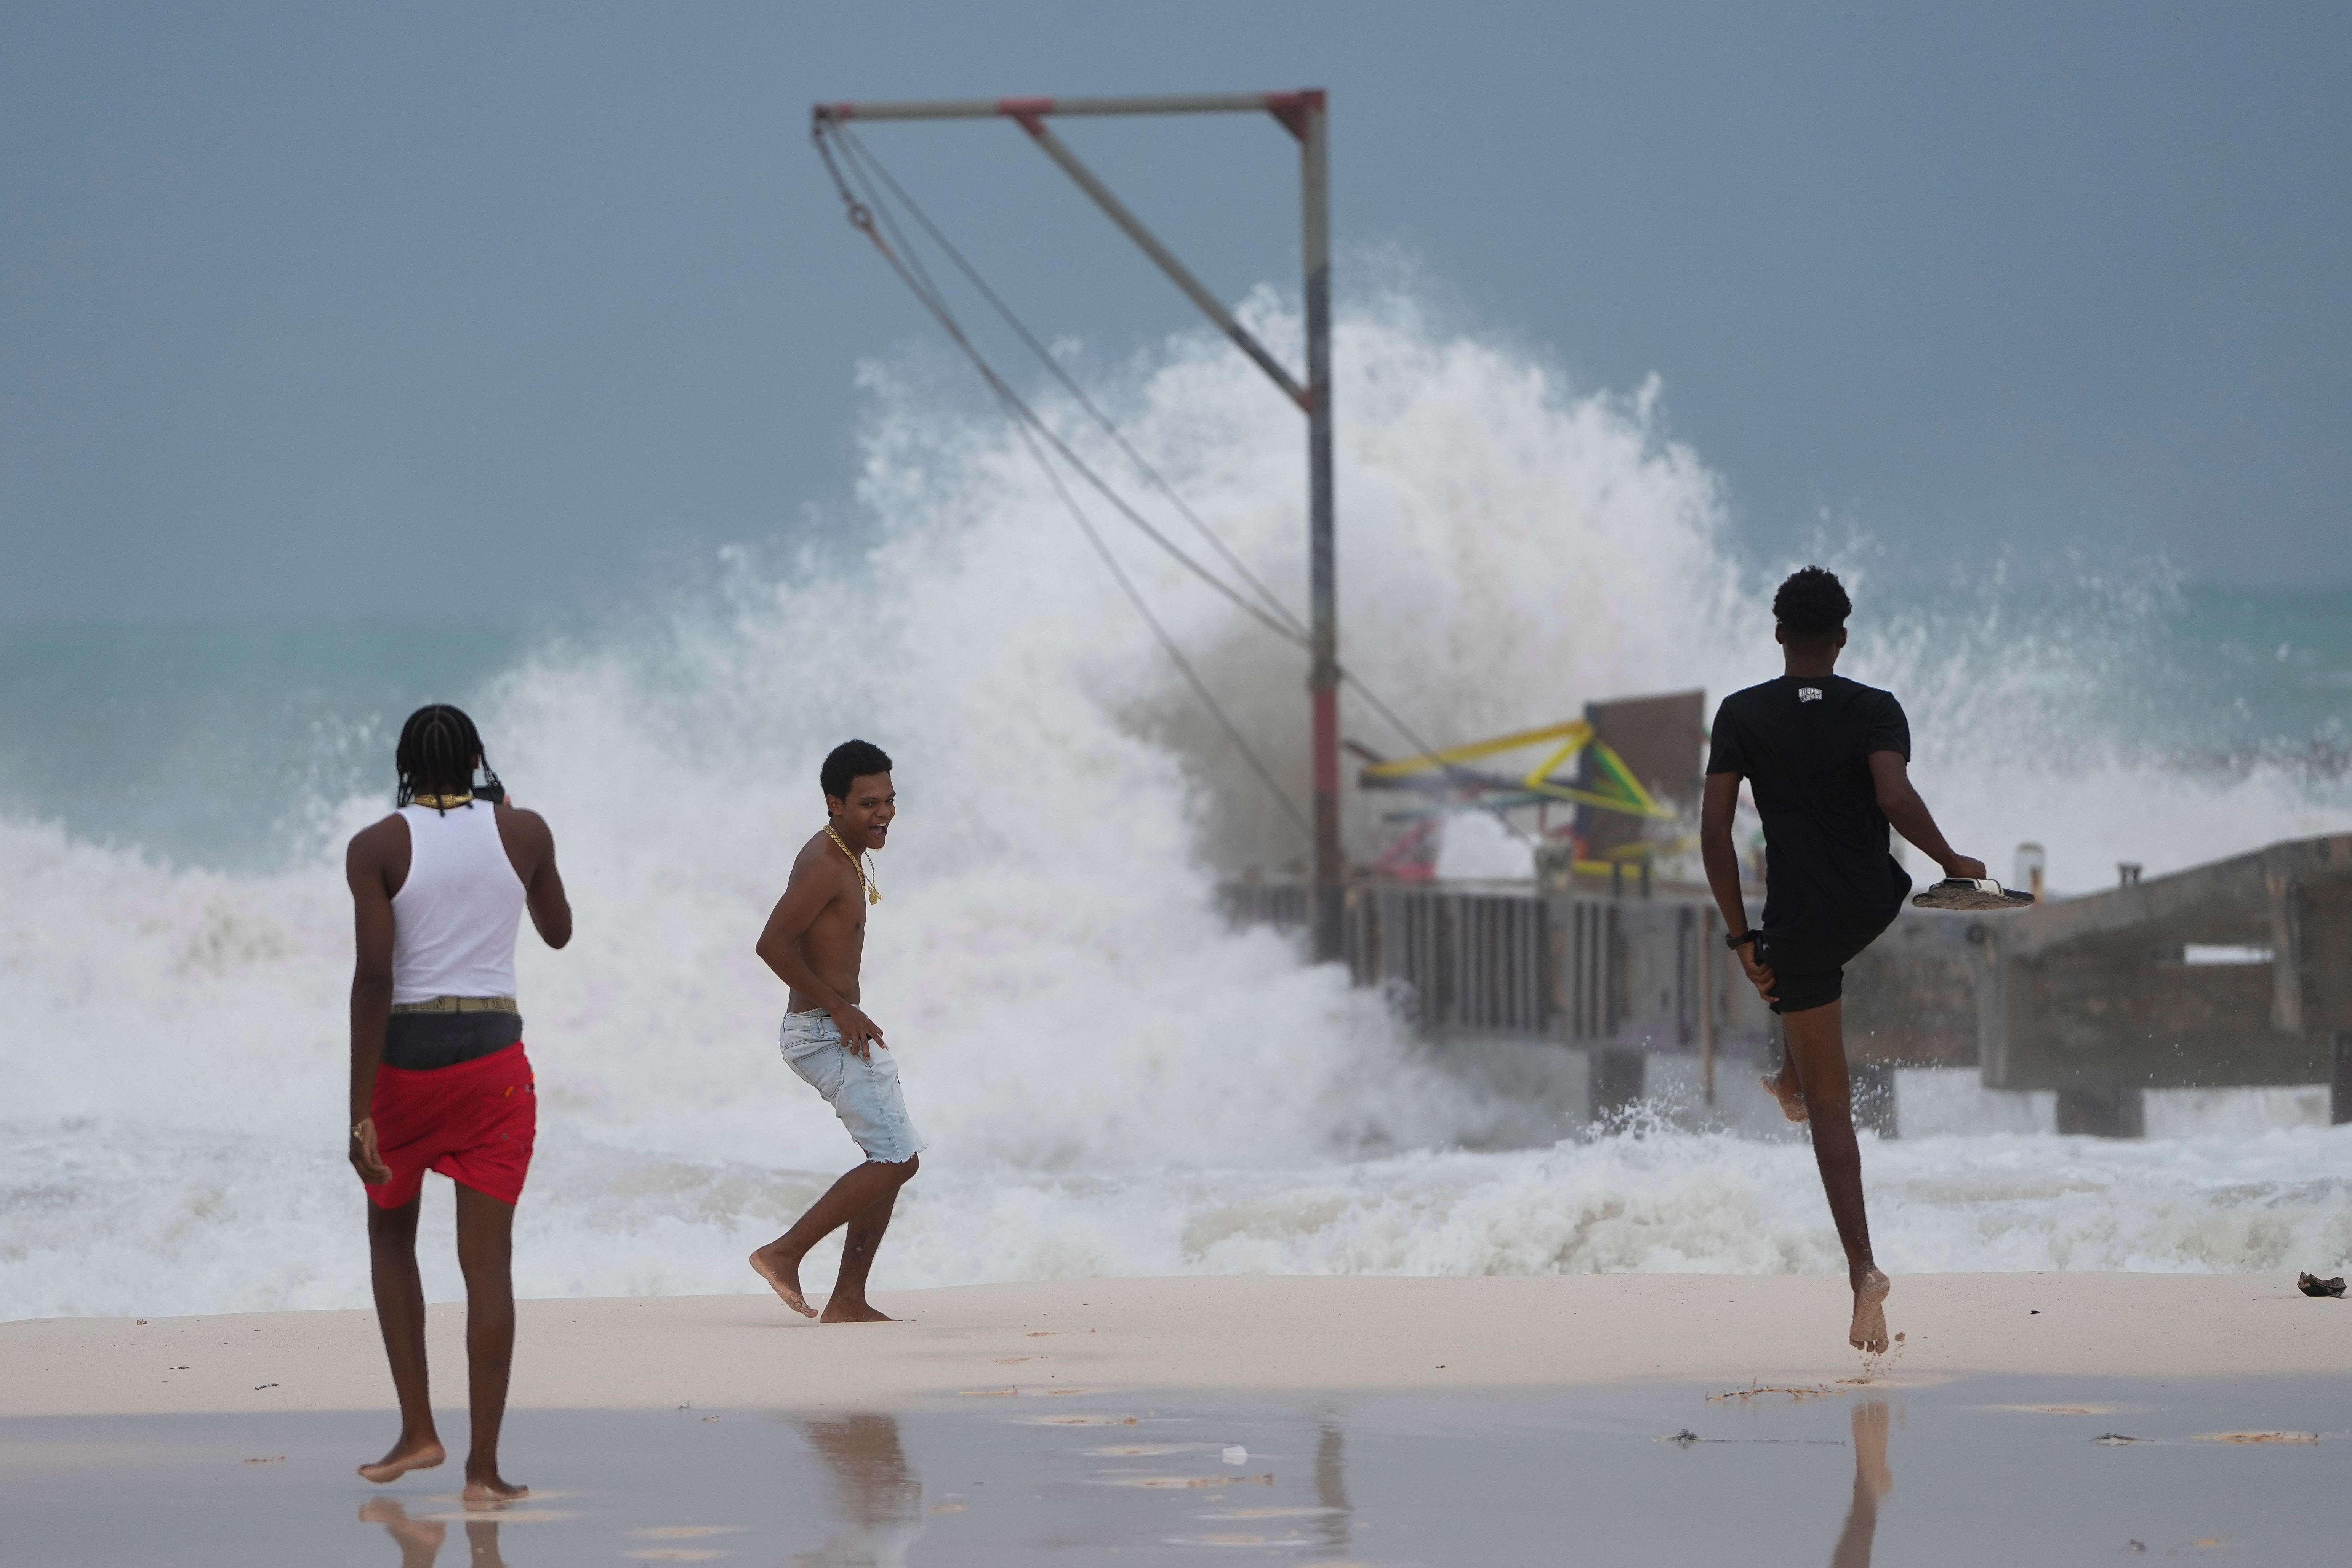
473 1122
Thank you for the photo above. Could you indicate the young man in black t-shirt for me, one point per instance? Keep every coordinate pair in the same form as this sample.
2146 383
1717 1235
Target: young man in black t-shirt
1827 760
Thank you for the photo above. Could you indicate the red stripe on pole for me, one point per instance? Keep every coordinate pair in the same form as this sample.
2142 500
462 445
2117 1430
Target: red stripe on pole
1292 109
1027 110
1326 742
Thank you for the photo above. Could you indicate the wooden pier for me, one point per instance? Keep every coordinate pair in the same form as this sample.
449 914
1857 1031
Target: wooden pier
2233 973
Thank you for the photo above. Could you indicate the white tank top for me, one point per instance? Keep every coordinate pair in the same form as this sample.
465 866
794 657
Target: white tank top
454 919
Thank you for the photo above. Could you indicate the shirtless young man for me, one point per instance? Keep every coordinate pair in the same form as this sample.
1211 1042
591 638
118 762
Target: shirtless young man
815 941
1828 760
439 1080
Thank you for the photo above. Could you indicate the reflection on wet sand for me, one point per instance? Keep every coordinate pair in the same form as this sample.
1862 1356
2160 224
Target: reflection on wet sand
1331 1483
420 1539
482 1535
1477 1476
1327 1518
1871 1480
876 1494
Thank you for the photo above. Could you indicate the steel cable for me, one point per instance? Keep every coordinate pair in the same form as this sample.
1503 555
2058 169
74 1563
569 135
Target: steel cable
1026 421
1054 367
861 216
911 271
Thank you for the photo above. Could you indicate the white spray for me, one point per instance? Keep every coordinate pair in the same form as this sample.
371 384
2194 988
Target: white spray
1110 1077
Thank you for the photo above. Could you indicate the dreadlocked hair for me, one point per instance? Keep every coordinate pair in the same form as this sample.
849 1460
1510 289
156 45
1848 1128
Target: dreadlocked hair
1810 606
438 749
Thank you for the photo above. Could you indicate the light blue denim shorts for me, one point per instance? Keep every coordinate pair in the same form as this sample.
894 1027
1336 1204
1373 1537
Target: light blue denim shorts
864 1094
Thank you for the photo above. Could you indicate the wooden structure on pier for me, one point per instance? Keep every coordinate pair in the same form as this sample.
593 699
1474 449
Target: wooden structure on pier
1635 789
2234 974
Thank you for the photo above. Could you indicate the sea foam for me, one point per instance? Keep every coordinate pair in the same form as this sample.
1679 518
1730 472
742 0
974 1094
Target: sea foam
1112 1079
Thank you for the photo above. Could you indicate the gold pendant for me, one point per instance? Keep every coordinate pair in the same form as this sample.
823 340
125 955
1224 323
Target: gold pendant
873 894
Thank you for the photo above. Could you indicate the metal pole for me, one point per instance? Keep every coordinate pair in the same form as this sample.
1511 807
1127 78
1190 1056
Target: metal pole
1281 105
1323 678
1149 243
1302 113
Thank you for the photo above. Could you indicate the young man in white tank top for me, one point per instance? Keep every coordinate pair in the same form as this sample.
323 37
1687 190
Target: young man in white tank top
440 1077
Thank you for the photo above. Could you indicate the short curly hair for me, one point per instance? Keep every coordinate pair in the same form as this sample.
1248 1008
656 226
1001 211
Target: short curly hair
1810 606
848 762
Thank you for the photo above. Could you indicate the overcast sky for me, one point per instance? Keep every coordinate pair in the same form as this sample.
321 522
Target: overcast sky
359 311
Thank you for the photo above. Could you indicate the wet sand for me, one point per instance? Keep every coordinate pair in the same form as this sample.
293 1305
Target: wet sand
1969 1470
1619 1418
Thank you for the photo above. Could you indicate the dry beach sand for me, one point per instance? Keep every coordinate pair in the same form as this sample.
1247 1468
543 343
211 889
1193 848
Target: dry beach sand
1248 1334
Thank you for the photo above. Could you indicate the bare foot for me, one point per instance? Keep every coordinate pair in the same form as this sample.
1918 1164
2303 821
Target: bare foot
840 1309
1869 1332
490 1488
1792 1098
420 1539
782 1274
421 1453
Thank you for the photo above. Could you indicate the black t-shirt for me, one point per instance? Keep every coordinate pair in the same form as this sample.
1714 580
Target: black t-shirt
1803 743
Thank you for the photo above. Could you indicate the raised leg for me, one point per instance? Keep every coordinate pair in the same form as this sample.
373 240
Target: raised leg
400 1314
486 1255
851 1201
1816 1051
1788 1089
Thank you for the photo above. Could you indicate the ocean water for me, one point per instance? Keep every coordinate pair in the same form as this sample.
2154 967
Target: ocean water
1112 1080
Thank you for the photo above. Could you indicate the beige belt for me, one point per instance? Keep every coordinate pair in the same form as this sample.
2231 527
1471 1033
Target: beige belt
459 1004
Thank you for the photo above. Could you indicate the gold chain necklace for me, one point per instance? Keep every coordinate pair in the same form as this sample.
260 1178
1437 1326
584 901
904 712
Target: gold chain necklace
442 802
872 893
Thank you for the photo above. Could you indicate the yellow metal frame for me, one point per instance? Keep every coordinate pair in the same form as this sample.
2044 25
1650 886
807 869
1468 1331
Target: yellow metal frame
1571 737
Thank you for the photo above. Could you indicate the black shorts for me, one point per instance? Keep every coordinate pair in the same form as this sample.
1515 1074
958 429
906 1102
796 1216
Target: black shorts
1809 972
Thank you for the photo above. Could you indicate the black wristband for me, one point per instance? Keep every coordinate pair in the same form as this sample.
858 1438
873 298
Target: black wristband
1742 940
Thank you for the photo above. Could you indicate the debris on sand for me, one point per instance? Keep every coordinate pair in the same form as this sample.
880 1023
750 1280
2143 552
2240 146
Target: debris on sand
2312 1285
1757 1391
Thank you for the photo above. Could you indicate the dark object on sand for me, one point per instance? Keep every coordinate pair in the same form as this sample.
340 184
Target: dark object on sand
1971 893
2312 1285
